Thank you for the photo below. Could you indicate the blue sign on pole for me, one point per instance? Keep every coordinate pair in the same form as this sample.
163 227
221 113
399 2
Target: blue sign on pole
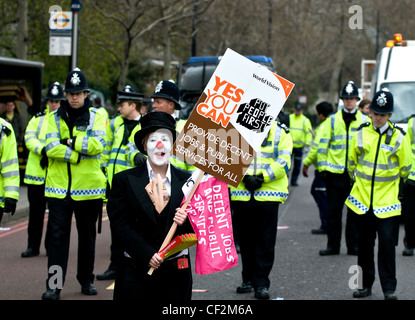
76 5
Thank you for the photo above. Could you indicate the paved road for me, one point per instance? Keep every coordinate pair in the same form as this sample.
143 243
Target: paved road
299 273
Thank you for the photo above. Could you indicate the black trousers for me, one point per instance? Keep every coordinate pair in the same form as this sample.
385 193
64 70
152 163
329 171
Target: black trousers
388 232
37 207
409 215
165 284
338 189
297 161
319 193
257 223
59 231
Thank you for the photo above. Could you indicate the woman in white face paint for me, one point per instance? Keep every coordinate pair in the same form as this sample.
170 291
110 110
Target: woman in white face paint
141 226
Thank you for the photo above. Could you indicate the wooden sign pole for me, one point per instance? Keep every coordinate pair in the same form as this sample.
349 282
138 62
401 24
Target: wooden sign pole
173 228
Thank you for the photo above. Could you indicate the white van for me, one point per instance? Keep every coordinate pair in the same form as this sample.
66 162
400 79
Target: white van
395 70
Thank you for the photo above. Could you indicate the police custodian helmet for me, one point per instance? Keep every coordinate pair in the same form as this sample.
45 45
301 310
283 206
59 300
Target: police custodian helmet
55 92
350 90
382 102
168 90
128 93
76 81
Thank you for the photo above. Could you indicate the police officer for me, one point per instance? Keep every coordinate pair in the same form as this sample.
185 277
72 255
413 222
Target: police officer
333 147
302 134
318 187
263 188
74 184
123 154
379 157
166 99
409 199
9 174
35 173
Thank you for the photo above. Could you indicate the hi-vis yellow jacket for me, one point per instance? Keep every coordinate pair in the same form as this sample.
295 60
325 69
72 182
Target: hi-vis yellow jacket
9 172
377 162
75 171
35 140
274 162
118 154
411 137
334 142
301 130
311 158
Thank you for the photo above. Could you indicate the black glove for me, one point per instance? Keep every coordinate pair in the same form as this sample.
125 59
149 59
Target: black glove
10 205
253 183
139 159
64 141
44 160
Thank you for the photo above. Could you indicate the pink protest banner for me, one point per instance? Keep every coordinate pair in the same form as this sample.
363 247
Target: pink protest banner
210 215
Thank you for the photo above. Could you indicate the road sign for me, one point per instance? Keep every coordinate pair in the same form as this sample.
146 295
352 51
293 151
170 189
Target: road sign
232 118
60 38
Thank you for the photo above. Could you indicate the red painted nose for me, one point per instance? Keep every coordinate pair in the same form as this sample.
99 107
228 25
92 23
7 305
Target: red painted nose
159 145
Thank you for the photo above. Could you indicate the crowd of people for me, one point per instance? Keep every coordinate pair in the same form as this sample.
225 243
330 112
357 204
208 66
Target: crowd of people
80 160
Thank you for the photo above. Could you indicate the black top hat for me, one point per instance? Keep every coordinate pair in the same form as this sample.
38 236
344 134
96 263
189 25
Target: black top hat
152 122
168 90
129 93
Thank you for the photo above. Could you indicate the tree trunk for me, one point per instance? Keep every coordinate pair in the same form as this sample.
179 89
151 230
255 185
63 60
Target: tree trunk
22 37
167 51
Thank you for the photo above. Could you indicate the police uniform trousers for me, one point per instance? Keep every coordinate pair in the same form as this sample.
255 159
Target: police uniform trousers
338 188
256 222
409 214
168 282
319 193
37 207
387 231
297 161
59 231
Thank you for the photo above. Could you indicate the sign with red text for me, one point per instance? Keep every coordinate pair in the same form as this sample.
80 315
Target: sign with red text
232 118
210 215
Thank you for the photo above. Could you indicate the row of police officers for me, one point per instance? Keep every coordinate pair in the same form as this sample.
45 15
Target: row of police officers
75 155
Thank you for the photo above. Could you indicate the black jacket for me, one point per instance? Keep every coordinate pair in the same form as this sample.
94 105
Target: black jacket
134 220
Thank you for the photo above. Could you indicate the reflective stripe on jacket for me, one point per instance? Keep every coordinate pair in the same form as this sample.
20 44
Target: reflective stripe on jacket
411 137
9 172
35 140
274 162
76 171
377 167
300 130
334 142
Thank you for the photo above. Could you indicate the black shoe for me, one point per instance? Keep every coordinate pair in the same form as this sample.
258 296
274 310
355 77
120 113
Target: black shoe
329 252
352 252
89 289
390 295
294 184
245 288
51 294
362 293
107 275
408 251
318 231
29 252
262 293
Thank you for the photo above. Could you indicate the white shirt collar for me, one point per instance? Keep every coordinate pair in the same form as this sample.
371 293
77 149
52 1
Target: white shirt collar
383 128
